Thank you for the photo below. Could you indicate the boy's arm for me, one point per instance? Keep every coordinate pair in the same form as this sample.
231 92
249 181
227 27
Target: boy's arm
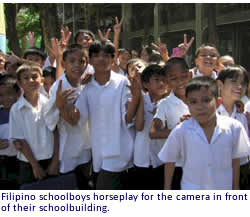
24 147
134 102
156 130
168 175
117 31
236 173
53 169
139 118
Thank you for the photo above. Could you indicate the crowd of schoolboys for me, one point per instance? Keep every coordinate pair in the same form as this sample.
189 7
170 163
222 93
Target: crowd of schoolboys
122 119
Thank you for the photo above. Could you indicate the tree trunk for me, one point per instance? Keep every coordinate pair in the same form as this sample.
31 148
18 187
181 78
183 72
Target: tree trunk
11 33
49 22
211 11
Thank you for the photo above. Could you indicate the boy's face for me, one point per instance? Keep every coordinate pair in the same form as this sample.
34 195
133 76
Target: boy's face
224 62
84 40
233 88
8 96
202 105
144 55
177 78
156 85
30 81
124 58
206 60
35 58
48 82
75 65
101 61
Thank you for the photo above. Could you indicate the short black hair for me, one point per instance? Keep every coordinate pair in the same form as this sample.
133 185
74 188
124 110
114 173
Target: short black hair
81 31
123 50
150 71
34 51
199 82
9 81
106 46
49 71
155 57
233 72
71 49
28 67
175 61
197 52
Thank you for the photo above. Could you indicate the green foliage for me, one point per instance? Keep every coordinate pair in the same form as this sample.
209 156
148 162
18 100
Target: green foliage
28 20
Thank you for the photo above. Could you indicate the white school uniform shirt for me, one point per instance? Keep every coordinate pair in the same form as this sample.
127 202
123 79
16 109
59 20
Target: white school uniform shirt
28 123
104 107
199 74
74 146
170 110
44 92
206 166
4 134
247 107
146 149
237 116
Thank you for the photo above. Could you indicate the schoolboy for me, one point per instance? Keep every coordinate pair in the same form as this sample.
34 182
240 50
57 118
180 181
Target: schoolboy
224 61
74 154
209 144
171 109
149 173
123 58
49 77
104 102
37 151
206 57
36 55
232 82
8 96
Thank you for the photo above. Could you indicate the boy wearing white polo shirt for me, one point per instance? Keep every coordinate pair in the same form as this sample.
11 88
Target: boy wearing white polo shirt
149 172
74 151
104 103
35 142
209 144
171 109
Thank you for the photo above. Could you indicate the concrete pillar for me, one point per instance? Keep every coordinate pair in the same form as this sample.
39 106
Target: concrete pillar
198 24
156 22
126 15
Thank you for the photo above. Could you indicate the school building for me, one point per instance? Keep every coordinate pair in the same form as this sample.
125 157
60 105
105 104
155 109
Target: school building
143 23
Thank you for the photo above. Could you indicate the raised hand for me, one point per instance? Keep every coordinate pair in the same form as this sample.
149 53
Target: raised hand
162 48
31 39
118 25
102 37
186 45
63 96
65 36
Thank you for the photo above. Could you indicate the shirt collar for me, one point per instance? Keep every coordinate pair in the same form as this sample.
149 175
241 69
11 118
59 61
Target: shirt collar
222 111
22 102
111 79
213 75
174 99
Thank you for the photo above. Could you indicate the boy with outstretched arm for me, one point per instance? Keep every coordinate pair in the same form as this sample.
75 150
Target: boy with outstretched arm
105 103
